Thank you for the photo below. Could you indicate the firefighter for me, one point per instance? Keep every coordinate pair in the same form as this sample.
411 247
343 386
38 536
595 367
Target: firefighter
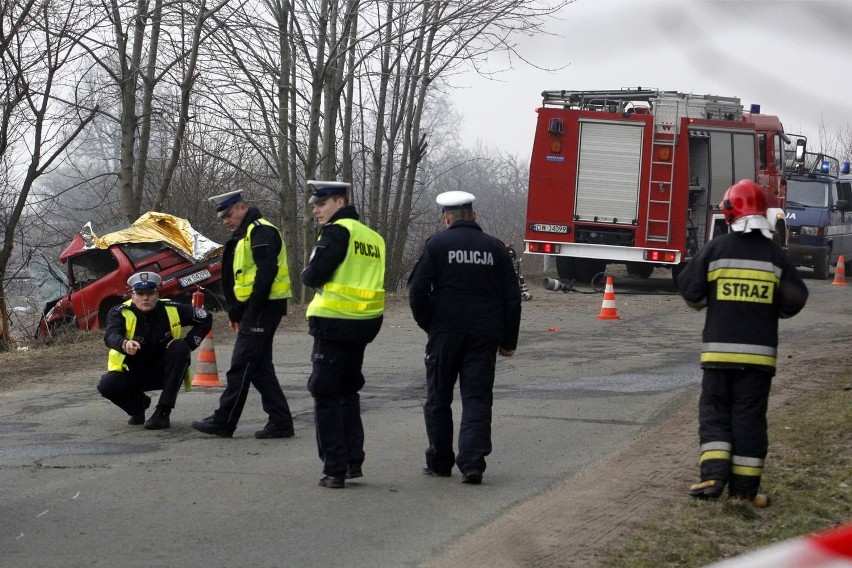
256 283
464 293
747 283
347 269
147 351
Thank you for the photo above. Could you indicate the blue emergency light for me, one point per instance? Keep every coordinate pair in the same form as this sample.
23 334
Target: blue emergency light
844 168
755 108
825 167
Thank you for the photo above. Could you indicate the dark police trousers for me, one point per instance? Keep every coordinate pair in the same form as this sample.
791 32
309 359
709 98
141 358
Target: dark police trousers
335 381
251 364
472 360
732 409
127 389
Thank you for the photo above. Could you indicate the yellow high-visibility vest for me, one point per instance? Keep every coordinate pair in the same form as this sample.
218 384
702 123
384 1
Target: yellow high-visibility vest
245 269
356 289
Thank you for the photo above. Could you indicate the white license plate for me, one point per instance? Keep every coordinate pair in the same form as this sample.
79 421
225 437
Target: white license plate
547 228
194 278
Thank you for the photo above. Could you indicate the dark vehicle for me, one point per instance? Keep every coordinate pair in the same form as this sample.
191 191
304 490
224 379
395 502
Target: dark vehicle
98 269
819 213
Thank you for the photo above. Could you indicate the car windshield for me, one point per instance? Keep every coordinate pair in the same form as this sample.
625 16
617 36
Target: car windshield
807 193
92 265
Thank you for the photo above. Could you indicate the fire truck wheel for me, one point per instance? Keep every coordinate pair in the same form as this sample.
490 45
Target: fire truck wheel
566 267
588 268
640 269
676 270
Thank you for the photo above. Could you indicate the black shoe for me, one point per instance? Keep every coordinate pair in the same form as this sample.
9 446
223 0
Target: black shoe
473 477
160 419
429 471
273 430
710 489
210 426
354 471
139 417
332 482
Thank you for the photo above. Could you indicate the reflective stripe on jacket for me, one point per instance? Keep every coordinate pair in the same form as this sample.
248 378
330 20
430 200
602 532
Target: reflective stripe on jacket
245 269
356 289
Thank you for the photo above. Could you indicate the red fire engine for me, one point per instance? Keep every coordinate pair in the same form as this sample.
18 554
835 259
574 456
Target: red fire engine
635 176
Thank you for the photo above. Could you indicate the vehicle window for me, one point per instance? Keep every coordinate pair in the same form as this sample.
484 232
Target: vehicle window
779 153
845 189
140 251
761 144
807 193
91 266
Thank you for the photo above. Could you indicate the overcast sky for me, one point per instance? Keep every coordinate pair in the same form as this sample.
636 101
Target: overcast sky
794 58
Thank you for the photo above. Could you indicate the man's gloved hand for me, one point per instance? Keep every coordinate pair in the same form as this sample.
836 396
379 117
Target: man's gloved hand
237 311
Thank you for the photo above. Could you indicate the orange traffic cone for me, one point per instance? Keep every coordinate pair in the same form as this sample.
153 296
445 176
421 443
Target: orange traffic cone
206 372
608 311
840 272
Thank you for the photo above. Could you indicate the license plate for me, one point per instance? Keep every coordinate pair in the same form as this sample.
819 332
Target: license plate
547 228
194 278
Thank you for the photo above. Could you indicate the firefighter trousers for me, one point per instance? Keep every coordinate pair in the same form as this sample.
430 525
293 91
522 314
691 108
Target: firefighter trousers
732 427
334 383
471 360
127 389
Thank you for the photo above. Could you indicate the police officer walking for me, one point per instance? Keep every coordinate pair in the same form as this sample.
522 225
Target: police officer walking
347 269
747 283
256 284
147 351
464 293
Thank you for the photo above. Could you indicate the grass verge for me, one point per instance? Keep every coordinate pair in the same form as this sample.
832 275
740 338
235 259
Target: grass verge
808 477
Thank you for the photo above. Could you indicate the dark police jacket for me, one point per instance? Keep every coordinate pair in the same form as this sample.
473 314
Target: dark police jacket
265 246
746 282
464 282
329 252
154 331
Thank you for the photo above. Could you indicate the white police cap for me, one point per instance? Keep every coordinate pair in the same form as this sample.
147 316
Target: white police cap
322 190
455 200
145 280
224 201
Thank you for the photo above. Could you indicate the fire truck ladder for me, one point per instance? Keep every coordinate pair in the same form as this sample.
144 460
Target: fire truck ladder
661 180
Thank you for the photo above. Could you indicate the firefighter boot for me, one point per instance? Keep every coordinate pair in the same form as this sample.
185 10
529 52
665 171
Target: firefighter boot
710 489
159 419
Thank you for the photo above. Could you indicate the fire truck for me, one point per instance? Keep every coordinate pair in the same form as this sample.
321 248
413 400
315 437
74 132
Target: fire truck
635 176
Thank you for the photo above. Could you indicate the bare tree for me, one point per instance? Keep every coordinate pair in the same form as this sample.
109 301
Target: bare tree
38 123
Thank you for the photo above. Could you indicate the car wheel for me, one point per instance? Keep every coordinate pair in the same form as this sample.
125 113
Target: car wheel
103 311
822 264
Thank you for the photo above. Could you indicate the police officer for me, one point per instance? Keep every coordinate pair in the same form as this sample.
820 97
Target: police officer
746 282
256 283
147 351
347 269
464 293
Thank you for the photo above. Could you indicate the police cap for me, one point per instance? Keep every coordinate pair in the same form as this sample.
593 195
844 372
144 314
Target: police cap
455 200
224 201
145 281
322 190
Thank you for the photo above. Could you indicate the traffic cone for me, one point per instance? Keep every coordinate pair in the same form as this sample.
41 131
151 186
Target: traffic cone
840 272
608 311
206 372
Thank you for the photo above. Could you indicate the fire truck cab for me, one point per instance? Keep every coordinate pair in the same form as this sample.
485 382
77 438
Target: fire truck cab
635 176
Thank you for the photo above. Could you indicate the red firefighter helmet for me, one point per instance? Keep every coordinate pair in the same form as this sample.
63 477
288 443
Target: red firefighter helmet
743 198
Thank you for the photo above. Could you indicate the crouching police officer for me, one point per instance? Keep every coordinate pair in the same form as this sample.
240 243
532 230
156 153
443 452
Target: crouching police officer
747 283
347 268
147 351
464 293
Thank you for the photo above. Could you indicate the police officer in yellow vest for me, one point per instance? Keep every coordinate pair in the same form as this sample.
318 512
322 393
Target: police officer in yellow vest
147 350
256 283
347 269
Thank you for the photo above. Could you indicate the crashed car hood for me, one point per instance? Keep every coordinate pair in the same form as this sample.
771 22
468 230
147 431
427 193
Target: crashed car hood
149 228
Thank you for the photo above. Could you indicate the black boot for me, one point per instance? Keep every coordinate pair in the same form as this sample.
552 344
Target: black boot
139 417
160 418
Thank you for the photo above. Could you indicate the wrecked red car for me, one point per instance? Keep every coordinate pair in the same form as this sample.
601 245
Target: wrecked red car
98 269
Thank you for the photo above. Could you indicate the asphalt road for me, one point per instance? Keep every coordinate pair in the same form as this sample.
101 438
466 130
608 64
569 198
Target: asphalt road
79 487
